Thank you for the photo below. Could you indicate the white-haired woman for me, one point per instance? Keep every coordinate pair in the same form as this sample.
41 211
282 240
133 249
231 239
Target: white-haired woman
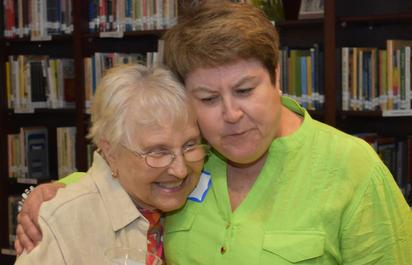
149 160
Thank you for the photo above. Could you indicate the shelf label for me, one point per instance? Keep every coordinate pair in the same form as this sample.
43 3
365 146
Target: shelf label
111 34
27 181
397 113
8 251
41 38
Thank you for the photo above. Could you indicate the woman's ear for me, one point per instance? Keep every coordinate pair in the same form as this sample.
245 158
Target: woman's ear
108 155
107 150
277 80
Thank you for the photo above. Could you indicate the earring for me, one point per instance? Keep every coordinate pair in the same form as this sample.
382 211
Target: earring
115 173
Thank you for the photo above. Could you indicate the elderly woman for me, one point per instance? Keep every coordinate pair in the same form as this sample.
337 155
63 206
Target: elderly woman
149 160
285 189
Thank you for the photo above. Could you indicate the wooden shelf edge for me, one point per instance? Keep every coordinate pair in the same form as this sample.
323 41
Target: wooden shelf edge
375 114
28 181
43 111
54 38
355 113
131 34
301 23
405 17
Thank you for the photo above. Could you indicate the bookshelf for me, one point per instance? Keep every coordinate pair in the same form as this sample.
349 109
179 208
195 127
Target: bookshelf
345 23
77 45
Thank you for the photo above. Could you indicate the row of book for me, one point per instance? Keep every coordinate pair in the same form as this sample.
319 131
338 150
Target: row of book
34 82
37 19
377 79
131 15
301 76
28 153
397 156
37 81
96 65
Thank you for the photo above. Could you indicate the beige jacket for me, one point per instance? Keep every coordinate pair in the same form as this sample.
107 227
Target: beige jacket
85 219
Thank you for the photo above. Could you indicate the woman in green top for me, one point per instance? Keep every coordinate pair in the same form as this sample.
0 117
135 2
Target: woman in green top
284 188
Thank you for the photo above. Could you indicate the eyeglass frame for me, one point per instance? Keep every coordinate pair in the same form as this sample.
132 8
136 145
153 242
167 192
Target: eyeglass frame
173 155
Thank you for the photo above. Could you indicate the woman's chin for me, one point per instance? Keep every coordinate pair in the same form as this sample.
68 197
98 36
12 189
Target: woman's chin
243 157
171 205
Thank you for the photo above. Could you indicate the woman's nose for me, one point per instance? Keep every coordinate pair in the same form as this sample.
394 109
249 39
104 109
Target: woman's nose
231 111
178 167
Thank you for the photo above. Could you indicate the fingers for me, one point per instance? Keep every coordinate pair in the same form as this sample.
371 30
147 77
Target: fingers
40 194
22 241
30 210
49 190
18 247
29 228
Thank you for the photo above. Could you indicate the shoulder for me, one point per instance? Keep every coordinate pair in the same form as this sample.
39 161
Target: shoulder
348 160
343 145
70 199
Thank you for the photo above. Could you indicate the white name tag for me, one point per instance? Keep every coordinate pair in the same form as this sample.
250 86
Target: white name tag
201 189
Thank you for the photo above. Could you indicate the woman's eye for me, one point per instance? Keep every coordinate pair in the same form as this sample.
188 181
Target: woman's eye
209 100
244 91
158 153
189 147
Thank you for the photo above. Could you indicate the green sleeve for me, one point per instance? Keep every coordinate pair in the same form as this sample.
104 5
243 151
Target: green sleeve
72 178
377 227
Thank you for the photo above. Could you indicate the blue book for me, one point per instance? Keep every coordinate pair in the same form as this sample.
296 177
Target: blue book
128 15
37 154
304 82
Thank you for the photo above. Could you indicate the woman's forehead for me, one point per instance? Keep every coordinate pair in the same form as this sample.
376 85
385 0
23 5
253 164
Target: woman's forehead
165 124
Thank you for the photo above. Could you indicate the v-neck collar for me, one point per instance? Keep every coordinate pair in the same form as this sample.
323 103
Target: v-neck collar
271 171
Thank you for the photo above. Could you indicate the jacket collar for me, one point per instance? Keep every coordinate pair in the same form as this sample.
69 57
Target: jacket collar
119 206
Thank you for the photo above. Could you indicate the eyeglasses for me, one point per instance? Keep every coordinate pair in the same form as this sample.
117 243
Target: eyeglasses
158 159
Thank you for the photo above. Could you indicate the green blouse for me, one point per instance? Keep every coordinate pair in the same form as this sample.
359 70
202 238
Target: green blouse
323 197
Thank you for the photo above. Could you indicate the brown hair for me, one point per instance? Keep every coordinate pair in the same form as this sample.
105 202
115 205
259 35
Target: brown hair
219 32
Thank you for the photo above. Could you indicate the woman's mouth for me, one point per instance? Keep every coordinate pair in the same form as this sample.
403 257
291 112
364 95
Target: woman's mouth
171 185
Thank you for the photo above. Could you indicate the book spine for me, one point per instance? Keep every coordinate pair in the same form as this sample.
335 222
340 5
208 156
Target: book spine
345 78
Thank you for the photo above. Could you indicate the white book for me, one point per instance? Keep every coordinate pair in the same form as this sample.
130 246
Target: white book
60 86
408 88
51 84
345 78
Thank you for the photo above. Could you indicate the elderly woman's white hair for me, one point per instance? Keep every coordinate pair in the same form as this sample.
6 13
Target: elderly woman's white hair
135 94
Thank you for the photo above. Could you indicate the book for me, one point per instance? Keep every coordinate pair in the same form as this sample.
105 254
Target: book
38 82
383 82
310 9
409 170
345 77
393 74
66 144
387 152
36 147
12 207
69 87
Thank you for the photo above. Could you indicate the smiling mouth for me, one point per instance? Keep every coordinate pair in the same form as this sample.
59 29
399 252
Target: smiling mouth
171 185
